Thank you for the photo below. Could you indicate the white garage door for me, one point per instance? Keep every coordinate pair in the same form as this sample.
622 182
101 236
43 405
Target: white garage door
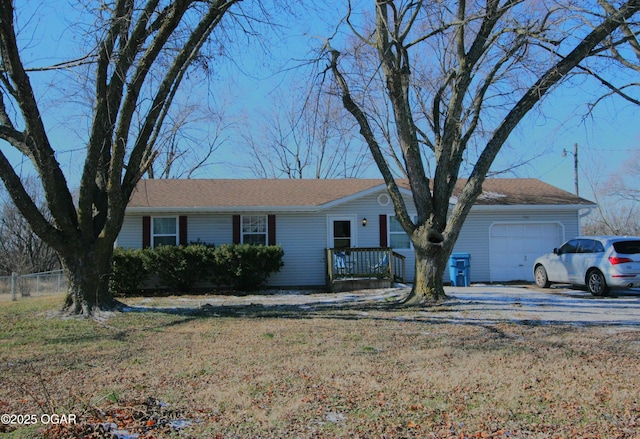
514 247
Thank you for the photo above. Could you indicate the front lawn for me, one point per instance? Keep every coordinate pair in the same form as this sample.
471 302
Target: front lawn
299 374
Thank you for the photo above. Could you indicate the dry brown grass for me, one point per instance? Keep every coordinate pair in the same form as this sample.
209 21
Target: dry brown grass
340 373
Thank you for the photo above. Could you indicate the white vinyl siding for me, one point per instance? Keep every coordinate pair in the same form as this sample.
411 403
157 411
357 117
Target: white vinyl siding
303 239
304 236
130 235
213 229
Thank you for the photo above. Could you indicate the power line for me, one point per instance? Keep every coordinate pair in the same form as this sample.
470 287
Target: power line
592 149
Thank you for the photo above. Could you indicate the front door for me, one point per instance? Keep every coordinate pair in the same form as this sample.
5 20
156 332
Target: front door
341 232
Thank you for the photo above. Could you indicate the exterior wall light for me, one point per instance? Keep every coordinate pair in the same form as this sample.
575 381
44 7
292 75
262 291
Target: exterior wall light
364 222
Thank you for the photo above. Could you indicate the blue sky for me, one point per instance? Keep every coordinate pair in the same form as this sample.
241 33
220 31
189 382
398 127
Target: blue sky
606 136
605 139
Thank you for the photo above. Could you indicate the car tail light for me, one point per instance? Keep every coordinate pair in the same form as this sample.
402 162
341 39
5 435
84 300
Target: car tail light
616 260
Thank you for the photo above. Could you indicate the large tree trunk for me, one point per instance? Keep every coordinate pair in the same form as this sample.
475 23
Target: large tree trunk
431 262
88 272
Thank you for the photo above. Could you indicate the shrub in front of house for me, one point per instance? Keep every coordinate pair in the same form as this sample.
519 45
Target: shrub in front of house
128 271
180 268
245 266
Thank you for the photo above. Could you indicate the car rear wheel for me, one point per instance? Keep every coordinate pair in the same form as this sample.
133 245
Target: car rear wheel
596 284
542 280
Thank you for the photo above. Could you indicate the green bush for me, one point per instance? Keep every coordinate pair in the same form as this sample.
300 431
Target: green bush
128 271
246 266
179 267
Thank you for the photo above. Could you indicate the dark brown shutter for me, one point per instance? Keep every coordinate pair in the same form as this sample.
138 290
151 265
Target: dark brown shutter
271 229
236 229
182 230
146 231
383 231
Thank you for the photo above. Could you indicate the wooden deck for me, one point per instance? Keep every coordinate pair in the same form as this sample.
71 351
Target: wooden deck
362 268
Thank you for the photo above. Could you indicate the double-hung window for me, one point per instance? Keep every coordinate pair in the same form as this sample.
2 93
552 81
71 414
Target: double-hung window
254 229
164 231
398 238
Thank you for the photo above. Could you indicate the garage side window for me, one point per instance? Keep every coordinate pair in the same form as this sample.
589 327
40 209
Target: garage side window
254 229
164 231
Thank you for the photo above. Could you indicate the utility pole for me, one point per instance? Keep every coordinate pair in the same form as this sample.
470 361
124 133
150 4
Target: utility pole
575 165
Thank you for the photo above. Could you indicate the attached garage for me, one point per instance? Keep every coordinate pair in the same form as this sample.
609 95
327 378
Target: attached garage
514 246
512 223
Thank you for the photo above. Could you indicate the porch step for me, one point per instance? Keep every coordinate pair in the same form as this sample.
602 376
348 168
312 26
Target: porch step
342 285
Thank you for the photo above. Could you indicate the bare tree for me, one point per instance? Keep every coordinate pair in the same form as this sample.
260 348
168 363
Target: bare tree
624 49
142 54
458 78
617 199
187 144
304 136
612 218
21 250
625 183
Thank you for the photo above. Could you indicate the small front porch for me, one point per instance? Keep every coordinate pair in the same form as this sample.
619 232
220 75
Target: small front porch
363 268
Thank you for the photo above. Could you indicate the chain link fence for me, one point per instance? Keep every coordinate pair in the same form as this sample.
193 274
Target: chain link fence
19 286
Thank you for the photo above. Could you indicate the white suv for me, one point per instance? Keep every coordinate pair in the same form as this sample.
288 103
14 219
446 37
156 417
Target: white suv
597 262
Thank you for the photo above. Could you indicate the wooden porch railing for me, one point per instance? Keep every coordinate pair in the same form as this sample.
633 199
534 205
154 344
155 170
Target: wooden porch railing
353 263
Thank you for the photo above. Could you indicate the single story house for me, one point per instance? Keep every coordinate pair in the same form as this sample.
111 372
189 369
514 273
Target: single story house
514 221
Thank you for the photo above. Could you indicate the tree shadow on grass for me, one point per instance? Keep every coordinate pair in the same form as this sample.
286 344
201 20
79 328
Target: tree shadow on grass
460 309
307 309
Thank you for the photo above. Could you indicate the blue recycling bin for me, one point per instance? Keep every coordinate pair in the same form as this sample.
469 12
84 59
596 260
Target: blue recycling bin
459 264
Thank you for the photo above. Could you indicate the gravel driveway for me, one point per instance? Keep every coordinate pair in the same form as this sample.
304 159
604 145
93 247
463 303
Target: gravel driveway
558 305
481 304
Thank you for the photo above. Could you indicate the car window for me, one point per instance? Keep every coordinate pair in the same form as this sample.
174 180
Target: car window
569 247
599 248
627 247
586 246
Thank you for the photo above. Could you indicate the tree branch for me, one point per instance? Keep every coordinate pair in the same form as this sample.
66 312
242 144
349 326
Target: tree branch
374 147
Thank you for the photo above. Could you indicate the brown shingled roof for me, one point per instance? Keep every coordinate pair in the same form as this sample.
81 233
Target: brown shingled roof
312 193
245 192
525 191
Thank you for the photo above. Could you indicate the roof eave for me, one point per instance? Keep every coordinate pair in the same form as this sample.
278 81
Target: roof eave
531 206
222 209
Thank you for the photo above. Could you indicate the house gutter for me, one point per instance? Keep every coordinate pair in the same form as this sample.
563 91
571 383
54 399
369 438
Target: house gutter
313 209
515 207
224 209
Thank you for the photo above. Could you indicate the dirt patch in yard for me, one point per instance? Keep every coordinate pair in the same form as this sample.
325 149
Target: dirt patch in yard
470 367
